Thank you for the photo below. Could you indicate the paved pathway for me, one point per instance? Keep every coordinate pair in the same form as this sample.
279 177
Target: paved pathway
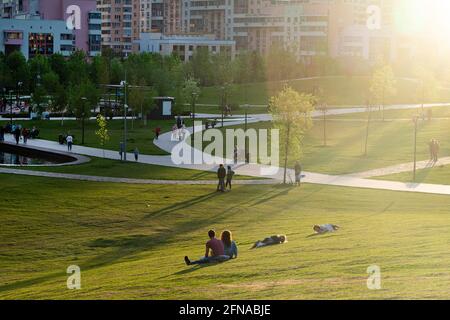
405 167
254 170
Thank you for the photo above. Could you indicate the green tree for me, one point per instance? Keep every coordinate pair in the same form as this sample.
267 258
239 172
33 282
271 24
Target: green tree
383 85
291 112
17 70
38 67
38 98
102 132
191 90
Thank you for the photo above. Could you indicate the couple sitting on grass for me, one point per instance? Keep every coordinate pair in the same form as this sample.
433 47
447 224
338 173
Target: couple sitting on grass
217 250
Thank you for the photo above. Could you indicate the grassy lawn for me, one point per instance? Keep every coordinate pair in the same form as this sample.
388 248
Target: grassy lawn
115 168
129 241
436 175
140 136
338 90
390 143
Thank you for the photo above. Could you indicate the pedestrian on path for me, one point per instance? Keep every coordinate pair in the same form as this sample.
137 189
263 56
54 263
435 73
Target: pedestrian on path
157 132
17 134
2 133
230 174
69 140
121 150
437 147
221 174
298 173
136 154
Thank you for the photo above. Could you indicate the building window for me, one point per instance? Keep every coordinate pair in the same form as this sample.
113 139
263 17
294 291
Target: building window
40 43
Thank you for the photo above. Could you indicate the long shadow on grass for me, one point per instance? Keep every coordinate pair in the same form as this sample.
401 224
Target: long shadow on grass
130 245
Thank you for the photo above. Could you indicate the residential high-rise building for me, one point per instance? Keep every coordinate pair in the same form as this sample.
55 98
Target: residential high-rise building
117 28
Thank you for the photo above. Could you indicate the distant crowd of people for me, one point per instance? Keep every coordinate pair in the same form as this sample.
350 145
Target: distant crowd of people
20 133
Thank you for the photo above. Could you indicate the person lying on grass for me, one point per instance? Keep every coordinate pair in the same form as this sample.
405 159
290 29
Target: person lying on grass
215 246
325 228
269 241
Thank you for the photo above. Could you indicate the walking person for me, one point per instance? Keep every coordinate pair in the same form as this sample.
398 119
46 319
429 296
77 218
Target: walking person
121 150
230 174
431 147
25 134
17 134
136 154
69 140
2 133
221 174
157 132
298 173
437 147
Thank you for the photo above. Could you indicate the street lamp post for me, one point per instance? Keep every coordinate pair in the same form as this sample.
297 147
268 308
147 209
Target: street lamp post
83 115
223 103
125 109
10 107
194 97
247 158
415 120
19 84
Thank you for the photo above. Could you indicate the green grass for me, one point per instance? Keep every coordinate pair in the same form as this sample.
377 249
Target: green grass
434 175
140 136
115 168
390 143
337 90
130 241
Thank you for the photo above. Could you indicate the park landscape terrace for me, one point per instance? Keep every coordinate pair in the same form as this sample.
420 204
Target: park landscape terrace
360 123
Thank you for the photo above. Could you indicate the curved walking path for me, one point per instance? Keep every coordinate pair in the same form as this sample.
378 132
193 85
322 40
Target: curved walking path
165 143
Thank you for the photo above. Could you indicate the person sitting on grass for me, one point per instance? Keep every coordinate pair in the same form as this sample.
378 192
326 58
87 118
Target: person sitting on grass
325 228
217 251
269 241
230 247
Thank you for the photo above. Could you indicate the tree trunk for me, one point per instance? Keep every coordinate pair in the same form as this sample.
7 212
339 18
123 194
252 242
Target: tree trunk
286 152
367 132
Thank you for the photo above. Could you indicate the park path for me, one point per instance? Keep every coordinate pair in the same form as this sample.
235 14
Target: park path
400 168
254 170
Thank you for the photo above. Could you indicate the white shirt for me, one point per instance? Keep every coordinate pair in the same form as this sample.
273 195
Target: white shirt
69 139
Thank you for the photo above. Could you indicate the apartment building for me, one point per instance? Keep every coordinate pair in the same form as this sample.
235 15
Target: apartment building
41 26
117 25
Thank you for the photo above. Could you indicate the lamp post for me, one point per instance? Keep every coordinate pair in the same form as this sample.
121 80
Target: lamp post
247 157
10 107
415 120
125 109
4 100
83 115
223 103
194 97
19 85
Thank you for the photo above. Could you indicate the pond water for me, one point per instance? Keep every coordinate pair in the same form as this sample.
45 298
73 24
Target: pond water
7 158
